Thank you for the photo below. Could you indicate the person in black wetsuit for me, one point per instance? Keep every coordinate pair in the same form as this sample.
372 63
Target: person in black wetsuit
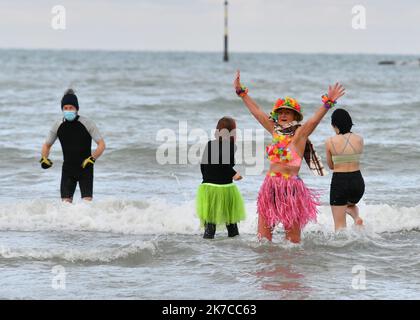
75 133
218 199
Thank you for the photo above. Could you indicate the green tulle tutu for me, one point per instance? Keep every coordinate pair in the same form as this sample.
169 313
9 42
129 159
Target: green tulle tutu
219 203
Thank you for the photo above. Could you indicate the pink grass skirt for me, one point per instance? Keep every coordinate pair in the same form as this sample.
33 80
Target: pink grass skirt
287 201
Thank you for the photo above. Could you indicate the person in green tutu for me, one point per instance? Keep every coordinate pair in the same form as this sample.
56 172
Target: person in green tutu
219 201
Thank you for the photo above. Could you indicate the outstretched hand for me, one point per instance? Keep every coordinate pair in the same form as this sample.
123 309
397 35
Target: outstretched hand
336 91
237 82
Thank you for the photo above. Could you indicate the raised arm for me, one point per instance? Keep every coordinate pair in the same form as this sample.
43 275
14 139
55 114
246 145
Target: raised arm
253 107
309 126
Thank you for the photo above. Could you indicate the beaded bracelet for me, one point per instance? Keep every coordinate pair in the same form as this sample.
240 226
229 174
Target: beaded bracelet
242 92
328 103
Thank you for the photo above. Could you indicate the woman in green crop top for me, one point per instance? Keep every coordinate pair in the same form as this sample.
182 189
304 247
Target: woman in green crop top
344 151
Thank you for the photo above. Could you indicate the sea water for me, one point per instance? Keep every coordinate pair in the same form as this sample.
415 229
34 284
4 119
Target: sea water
140 238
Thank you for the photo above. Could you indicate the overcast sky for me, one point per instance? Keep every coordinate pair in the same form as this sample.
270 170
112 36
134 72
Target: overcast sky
197 25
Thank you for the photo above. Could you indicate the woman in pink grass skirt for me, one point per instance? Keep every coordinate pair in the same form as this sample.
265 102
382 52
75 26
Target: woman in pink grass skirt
283 197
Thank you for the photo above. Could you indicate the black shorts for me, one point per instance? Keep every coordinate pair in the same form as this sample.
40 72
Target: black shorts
69 179
346 188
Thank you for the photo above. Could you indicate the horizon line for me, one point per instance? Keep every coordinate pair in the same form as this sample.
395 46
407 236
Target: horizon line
200 51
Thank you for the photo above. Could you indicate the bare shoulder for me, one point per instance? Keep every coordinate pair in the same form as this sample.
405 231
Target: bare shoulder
299 140
328 139
334 139
299 132
357 137
271 126
297 136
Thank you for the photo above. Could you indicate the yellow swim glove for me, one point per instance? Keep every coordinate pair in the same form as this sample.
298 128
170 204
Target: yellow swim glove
45 163
88 162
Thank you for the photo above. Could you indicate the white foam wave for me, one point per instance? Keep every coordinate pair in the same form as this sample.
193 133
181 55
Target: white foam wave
138 249
157 216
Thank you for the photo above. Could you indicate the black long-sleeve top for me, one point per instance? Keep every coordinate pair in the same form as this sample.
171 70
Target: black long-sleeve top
218 162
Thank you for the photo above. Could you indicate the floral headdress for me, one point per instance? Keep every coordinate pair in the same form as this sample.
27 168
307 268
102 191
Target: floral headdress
286 103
